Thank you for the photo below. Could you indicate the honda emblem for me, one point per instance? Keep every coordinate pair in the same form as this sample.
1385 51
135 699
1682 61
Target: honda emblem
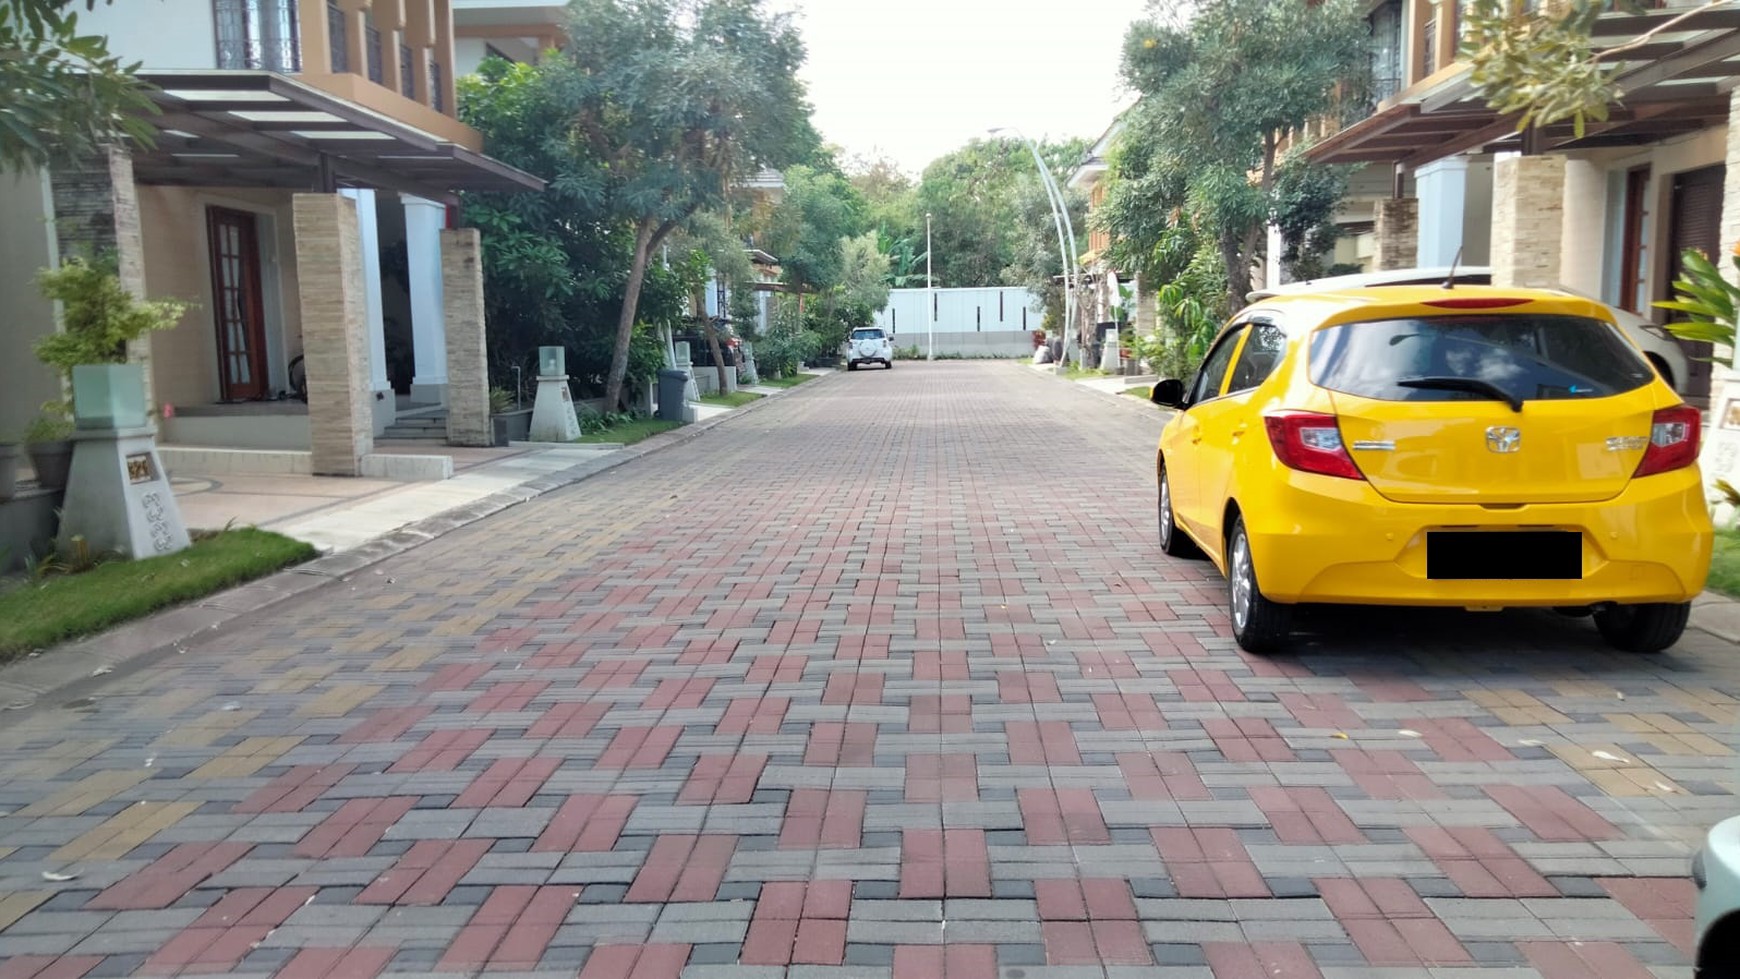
1502 438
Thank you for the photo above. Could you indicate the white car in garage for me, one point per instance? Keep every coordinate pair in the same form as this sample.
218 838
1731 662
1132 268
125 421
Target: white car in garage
1659 348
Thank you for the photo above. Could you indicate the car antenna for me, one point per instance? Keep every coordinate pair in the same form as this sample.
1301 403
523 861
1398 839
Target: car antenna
1450 280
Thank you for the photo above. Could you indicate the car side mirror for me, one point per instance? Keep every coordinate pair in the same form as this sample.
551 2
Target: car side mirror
1168 393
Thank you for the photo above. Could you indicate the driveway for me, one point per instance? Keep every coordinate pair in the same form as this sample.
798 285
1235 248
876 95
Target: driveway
886 677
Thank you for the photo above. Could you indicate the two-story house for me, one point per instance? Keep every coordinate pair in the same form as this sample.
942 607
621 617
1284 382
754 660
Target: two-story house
1607 212
301 192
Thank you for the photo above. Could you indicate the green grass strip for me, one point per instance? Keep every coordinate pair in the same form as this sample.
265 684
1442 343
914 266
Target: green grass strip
41 613
735 399
788 382
1725 565
629 433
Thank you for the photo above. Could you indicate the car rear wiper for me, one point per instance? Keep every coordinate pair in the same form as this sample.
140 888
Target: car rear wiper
1472 385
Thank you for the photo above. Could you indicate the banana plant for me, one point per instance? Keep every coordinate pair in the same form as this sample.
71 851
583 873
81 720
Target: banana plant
1707 300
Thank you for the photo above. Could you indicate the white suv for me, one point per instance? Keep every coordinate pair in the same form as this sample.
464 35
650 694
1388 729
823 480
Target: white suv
869 344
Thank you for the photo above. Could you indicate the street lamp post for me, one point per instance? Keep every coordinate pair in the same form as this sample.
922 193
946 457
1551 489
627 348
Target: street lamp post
1065 235
929 297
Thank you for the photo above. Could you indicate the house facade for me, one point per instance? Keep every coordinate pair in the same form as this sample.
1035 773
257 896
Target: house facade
1607 212
301 192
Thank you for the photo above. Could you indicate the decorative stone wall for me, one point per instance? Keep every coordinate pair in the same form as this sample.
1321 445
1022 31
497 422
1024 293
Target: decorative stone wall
1398 234
1528 220
467 358
335 343
96 214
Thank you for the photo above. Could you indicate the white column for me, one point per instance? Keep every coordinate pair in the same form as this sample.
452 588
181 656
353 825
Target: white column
1583 247
384 406
424 220
1442 189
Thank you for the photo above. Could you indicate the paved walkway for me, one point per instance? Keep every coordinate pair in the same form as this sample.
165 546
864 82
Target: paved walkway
885 679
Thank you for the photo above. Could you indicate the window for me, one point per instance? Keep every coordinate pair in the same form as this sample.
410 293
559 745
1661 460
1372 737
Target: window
1528 358
1213 369
1258 360
867 334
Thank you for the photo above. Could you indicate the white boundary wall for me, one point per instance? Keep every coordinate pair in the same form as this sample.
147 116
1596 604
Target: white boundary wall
992 321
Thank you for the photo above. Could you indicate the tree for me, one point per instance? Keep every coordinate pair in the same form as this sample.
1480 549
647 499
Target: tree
675 100
972 197
1219 94
1539 61
554 263
819 210
62 94
1034 260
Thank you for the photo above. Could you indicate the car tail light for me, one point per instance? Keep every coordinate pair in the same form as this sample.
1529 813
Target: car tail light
1673 440
1476 302
1310 442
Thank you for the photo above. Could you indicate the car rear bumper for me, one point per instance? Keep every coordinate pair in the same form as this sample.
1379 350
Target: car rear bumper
1338 541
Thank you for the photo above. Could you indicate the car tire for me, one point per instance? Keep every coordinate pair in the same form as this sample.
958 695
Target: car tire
888 365
851 365
1259 625
1643 628
1173 541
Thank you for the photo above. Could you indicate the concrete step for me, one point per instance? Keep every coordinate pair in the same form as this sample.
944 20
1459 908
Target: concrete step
427 432
421 422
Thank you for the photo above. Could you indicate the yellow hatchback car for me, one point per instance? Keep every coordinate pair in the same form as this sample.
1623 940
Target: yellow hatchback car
1474 447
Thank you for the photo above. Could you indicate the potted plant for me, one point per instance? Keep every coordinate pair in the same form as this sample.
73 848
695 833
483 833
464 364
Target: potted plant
49 442
509 420
9 453
99 320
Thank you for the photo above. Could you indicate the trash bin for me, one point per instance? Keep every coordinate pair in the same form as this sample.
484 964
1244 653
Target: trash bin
671 402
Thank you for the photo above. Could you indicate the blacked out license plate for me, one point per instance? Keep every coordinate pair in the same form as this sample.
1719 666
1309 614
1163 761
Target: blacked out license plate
1509 555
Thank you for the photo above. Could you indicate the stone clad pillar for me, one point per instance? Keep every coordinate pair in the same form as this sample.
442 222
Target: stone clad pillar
384 407
423 223
335 346
1528 220
1398 243
467 357
96 213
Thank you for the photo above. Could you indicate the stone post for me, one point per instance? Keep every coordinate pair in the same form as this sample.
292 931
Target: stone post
1398 240
467 359
96 213
384 405
335 342
1528 220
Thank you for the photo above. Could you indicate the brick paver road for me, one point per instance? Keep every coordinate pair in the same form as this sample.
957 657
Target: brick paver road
884 678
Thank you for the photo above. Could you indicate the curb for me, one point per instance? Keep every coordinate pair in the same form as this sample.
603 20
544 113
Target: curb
68 667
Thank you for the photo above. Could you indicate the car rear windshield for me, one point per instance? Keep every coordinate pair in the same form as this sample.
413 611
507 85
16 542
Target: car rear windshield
866 334
1525 357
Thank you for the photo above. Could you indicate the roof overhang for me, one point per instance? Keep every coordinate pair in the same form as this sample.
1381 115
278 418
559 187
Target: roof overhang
263 129
1676 83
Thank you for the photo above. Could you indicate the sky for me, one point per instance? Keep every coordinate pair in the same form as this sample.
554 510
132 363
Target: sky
914 79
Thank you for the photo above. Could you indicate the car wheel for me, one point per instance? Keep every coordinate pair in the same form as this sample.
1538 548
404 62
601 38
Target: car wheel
1643 628
888 365
851 365
1173 541
1259 625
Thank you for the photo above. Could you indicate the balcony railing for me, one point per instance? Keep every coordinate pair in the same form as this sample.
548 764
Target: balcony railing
338 37
377 73
436 88
407 73
257 34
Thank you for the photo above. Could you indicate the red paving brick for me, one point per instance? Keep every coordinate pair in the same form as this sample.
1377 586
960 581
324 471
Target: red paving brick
894 635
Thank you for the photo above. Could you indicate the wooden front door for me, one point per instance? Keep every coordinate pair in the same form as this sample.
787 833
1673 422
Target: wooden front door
236 306
1694 221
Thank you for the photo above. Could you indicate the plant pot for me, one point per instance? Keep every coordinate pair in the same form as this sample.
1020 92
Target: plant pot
51 460
511 426
9 455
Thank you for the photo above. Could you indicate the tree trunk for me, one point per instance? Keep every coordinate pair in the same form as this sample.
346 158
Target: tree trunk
713 346
1238 273
643 237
